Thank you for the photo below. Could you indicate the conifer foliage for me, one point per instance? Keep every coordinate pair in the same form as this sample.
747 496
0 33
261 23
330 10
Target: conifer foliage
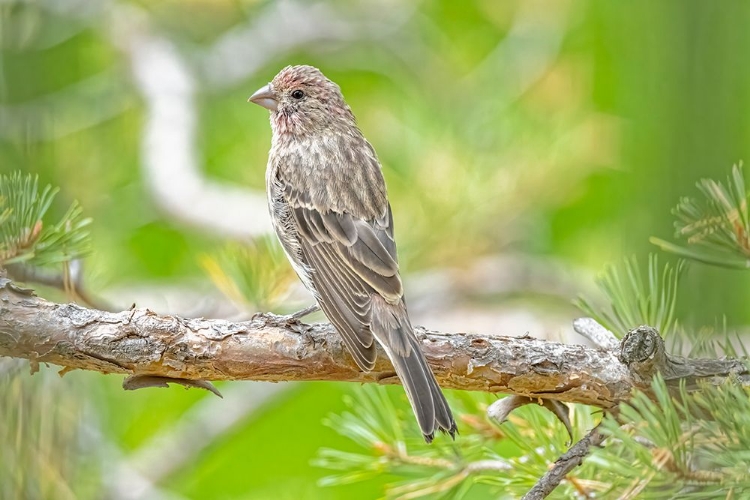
663 443
25 235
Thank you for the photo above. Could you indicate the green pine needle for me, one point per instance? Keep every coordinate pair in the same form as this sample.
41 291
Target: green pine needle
24 234
633 301
679 445
717 227
384 430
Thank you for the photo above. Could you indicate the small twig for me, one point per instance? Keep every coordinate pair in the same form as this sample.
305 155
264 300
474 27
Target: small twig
71 283
596 333
135 382
563 465
500 409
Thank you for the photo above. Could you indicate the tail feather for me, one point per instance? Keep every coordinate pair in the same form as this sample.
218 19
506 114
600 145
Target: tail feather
426 398
391 327
443 414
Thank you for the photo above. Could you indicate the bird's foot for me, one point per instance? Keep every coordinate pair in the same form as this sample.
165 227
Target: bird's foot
288 319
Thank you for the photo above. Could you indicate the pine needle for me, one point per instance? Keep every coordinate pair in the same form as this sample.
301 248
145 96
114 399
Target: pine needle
716 227
632 301
25 235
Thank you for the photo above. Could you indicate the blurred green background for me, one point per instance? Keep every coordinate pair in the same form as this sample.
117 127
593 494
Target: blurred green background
556 131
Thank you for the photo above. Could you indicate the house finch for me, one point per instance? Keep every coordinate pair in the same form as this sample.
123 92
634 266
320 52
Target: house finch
329 206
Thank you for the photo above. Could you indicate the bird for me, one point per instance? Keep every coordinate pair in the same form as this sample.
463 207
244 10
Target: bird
329 207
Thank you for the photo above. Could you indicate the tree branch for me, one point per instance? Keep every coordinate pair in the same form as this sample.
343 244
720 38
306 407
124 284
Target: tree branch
269 348
566 463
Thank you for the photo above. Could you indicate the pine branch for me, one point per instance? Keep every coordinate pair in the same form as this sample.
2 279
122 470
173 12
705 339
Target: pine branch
644 352
142 342
566 463
166 348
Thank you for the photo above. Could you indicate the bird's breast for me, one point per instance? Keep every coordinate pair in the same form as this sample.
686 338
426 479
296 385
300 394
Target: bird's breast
335 172
285 227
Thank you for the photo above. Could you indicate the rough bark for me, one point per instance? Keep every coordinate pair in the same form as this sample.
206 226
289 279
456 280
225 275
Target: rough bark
271 348
563 465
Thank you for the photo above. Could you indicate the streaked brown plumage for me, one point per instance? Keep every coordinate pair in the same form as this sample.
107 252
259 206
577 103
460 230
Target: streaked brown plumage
330 209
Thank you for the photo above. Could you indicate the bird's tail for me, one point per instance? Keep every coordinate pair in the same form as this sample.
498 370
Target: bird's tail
392 328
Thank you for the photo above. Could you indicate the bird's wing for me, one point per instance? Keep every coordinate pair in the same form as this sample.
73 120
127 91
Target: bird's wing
350 259
347 245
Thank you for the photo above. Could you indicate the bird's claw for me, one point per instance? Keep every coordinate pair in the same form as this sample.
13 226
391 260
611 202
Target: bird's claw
287 319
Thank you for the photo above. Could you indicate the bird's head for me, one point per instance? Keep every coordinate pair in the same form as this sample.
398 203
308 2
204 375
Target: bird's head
303 101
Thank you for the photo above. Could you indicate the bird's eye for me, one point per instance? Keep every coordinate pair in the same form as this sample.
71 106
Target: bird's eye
298 94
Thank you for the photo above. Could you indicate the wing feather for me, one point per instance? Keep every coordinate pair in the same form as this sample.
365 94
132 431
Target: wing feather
341 227
345 316
349 263
369 250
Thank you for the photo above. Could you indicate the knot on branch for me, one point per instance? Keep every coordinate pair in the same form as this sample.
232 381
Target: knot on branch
643 352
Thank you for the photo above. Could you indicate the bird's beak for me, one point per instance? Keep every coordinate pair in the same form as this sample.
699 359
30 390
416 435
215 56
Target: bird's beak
265 97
